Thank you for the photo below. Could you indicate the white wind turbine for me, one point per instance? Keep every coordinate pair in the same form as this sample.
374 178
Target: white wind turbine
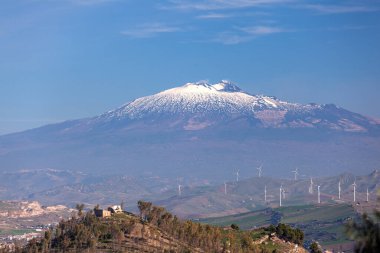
265 194
295 174
311 190
225 188
179 190
281 195
260 170
354 184
339 189
367 195
237 175
319 194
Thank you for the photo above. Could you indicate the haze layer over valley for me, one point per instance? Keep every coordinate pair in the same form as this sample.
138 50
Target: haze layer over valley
203 131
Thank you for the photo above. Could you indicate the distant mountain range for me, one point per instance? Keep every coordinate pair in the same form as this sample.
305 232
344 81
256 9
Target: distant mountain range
248 194
198 198
205 131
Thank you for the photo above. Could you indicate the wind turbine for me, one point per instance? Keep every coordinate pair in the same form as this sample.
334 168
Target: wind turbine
367 195
260 170
295 174
265 194
354 184
281 195
225 188
311 190
237 175
319 194
339 189
179 189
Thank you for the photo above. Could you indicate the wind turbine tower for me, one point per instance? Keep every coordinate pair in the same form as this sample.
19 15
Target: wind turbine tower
339 190
281 195
311 190
225 188
367 195
265 194
179 189
260 170
354 184
295 174
319 194
237 175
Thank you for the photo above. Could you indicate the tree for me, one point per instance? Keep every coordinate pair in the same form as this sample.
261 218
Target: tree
289 234
47 240
366 233
234 226
80 208
155 214
315 248
122 205
144 208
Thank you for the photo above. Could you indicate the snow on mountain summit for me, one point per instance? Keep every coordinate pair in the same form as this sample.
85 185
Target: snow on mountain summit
203 86
199 105
223 98
226 86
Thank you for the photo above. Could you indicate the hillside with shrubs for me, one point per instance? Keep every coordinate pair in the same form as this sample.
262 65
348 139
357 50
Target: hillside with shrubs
156 230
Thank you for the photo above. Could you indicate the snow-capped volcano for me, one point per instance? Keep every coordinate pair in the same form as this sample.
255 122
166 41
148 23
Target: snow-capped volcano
199 105
202 129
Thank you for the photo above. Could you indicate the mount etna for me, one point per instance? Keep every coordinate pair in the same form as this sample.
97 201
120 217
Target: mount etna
205 131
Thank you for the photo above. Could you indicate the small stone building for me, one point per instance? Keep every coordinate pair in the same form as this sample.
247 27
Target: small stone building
101 213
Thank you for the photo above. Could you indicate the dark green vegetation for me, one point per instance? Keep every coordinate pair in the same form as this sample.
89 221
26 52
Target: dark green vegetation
156 230
324 223
287 233
366 233
315 248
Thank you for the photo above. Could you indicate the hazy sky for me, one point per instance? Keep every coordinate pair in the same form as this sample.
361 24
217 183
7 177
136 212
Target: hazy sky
67 59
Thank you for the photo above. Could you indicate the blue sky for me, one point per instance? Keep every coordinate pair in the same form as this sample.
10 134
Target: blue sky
67 59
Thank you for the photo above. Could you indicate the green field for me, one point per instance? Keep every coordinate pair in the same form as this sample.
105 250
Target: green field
309 213
16 231
324 223
244 221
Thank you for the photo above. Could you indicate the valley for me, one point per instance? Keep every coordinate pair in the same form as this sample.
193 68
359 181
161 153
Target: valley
21 221
212 153
199 197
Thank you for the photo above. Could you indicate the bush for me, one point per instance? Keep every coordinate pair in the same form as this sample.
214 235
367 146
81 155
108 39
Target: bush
234 226
366 233
315 248
289 234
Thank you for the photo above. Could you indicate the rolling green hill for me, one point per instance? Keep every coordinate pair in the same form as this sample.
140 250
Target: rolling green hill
324 223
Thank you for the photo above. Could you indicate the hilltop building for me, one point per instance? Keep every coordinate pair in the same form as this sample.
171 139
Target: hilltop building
101 213
115 209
